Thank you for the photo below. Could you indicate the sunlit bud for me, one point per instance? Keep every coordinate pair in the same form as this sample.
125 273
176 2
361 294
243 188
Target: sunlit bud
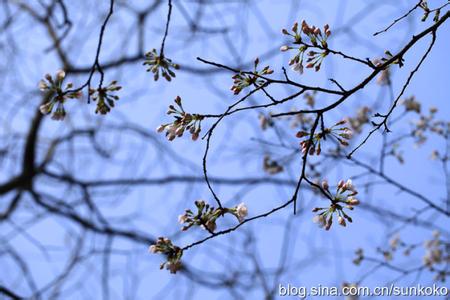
179 132
320 220
352 201
329 223
211 225
182 219
46 108
284 48
341 221
160 128
349 184
152 249
241 211
42 85
60 75
325 185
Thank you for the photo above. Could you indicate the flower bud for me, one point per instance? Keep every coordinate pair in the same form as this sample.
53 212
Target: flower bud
152 249
352 201
60 75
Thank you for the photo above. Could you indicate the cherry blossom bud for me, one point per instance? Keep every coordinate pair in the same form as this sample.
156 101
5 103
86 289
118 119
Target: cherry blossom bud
211 225
284 48
160 128
341 221
60 75
241 211
301 134
46 108
152 249
325 185
353 201
349 184
43 85
329 223
182 219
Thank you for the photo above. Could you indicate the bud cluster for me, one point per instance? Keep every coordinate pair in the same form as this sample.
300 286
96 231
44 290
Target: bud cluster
57 95
272 166
341 199
437 252
317 41
160 64
265 121
430 124
436 256
243 80
362 117
411 104
206 215
359 256
173 253
183 122
426 11
342 134
104 97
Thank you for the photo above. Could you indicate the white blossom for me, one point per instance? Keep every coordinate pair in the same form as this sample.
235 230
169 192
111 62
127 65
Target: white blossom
241 211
